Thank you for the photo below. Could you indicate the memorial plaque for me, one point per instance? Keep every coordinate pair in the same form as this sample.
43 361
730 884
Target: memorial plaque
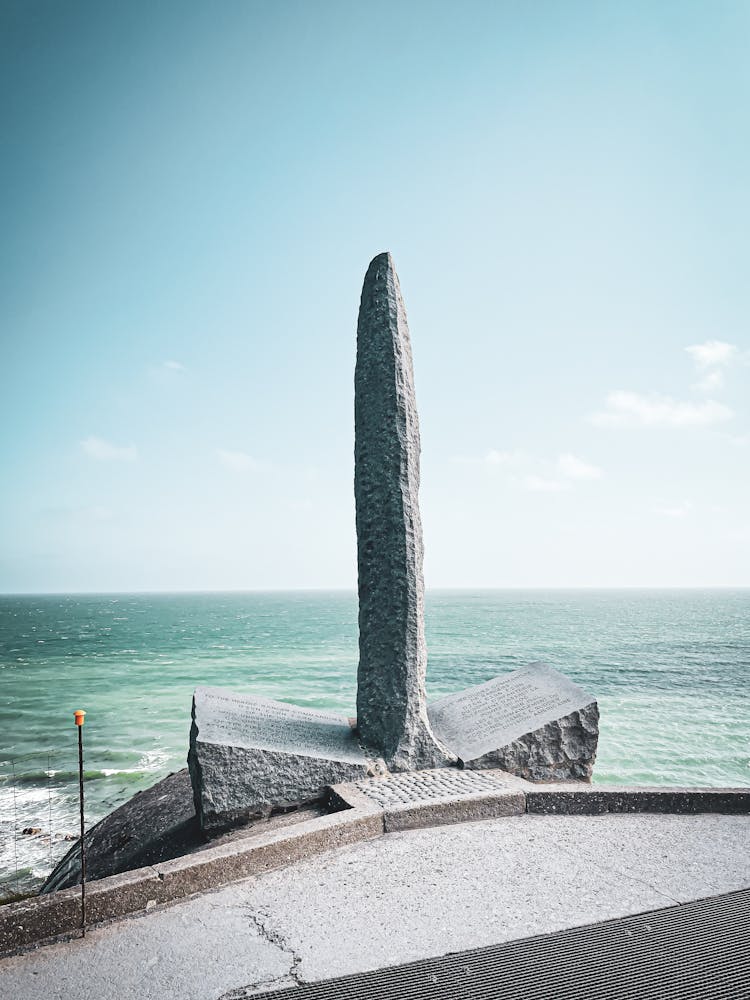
263 724
250 755
534 713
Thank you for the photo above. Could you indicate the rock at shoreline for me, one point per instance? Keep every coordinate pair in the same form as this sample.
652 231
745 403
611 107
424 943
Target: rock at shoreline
249 756
154 825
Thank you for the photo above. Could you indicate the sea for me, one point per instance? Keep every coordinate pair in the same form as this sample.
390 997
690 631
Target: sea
668 668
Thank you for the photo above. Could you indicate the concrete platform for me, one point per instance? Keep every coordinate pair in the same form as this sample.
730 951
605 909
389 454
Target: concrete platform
405 896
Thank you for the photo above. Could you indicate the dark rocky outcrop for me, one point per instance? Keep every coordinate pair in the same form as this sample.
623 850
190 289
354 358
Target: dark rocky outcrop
154 825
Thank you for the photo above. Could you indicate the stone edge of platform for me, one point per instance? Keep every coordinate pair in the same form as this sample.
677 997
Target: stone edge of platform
35 921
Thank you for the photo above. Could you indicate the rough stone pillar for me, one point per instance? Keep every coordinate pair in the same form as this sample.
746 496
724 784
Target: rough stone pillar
391 709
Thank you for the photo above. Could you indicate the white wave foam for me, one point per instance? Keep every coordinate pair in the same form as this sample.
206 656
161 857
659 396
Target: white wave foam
152 760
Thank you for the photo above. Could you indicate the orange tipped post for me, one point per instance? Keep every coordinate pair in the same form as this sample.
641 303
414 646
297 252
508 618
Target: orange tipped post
79 716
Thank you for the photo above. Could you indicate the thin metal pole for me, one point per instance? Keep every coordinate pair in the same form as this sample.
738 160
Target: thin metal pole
83 844
49 804
15 824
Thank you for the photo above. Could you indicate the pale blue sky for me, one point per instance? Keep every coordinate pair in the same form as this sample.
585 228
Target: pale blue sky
190 196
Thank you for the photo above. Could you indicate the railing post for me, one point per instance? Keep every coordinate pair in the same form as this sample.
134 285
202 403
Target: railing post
79 717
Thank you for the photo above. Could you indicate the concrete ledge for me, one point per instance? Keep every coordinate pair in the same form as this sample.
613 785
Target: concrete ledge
348 796
356 817
460 811
58 914
594 800
230 862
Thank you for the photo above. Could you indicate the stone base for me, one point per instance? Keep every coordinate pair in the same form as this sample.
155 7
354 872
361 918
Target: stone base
251 756
534 723
563 750
236 785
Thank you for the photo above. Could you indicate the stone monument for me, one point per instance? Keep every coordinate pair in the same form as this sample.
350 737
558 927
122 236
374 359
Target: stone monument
250 755
391 705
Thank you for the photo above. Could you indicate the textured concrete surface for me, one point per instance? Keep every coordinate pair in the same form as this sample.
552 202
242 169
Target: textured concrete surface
405 896
391 706
202 948
593 800
493 881
360 811
229 859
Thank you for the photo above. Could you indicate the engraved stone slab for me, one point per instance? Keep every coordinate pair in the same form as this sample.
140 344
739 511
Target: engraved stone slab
261 723
443 784
534 722
250 755
427 798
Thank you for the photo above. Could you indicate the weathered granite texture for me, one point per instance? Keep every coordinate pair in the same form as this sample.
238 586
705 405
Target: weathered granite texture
249 756
563 750
391 711
535 723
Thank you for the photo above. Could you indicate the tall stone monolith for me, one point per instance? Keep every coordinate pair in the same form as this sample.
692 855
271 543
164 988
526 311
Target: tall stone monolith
391 707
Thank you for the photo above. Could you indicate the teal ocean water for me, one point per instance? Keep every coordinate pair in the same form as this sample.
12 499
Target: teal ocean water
670 671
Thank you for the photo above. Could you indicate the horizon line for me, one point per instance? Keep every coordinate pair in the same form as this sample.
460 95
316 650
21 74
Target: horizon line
353 590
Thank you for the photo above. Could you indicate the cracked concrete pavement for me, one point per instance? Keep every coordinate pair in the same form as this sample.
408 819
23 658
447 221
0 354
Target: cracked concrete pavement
395 899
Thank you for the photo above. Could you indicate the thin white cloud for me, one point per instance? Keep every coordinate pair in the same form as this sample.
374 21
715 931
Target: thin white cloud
105 451
575 468
712 353
237 461
166 372
710 358
679 510
494 457
631 409
711 382
537 474
538 484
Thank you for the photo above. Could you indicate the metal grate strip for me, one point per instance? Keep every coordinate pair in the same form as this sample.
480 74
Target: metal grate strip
697 950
